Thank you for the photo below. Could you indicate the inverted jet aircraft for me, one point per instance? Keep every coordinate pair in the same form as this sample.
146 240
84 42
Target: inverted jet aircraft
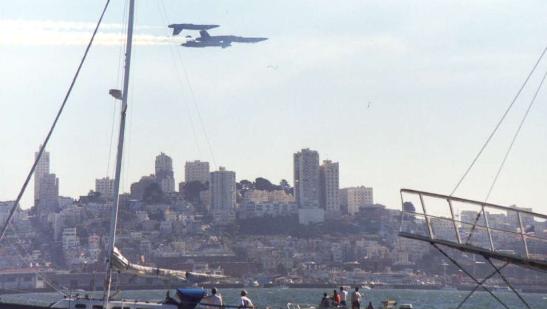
206 40
177 28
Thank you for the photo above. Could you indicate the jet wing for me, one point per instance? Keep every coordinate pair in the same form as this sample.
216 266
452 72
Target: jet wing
240 39
177 28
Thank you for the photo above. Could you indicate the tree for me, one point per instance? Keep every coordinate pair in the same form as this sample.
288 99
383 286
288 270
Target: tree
285 186
153 194
245 185
263 184
192 190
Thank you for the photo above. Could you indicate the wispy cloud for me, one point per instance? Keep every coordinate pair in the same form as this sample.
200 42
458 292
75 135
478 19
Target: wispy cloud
51 33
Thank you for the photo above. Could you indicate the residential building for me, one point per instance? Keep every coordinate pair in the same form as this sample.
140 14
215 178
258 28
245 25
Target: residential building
306 186
329 187
196 171
42 168
251 209
353 198
70 239
306 178
164 172
48 197
105 186
260 196
138 188
222 187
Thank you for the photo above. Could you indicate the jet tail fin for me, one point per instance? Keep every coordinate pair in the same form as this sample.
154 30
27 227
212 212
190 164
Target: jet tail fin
204 34
176 28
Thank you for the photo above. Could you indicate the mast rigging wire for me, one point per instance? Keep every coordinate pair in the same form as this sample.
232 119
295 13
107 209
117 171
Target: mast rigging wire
50 132
193 96
502 164
500 121
118 81
507 152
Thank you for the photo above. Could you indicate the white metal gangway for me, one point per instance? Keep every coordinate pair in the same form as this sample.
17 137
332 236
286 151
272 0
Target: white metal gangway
504 233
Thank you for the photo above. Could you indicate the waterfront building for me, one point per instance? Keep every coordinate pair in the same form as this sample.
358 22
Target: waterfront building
164 173
105 186
329 188
196 171
222 189
353 198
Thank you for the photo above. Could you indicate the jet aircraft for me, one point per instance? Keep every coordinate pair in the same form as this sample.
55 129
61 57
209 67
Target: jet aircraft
177 28
206 40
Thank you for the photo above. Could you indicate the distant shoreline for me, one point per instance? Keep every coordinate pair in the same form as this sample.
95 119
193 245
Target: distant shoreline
542 290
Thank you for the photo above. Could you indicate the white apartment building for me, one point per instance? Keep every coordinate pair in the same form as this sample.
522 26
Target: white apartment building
164 172
222 188
330 187
196 171
262 196
70 239
105 186
354 197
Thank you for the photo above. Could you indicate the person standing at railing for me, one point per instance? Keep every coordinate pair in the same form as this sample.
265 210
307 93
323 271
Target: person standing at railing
245 301
335 298
214 300
343 296
356 299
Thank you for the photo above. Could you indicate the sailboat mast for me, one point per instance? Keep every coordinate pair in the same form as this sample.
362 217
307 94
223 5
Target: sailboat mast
119 154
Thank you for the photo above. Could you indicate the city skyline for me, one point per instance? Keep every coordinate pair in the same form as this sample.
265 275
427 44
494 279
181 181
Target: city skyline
400 97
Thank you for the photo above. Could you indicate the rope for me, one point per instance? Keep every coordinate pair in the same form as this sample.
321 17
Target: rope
469 274
500 121
480 285
508 283
39 273
44 144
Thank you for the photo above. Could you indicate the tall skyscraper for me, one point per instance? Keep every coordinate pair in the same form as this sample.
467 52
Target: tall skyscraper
196 171
222 187
164 173
306 186
329 184
306 178
48 198
353 198
42 168
105 186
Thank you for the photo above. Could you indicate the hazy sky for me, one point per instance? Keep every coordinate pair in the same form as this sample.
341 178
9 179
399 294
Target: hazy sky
401 93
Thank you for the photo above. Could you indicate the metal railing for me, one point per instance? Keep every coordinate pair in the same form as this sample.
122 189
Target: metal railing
485 228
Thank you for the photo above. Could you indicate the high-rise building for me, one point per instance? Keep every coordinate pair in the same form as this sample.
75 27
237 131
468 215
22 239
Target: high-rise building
48 198
222 187
329 184
306 186
196 171
164 172
353 198
42 168
105 186
306 178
